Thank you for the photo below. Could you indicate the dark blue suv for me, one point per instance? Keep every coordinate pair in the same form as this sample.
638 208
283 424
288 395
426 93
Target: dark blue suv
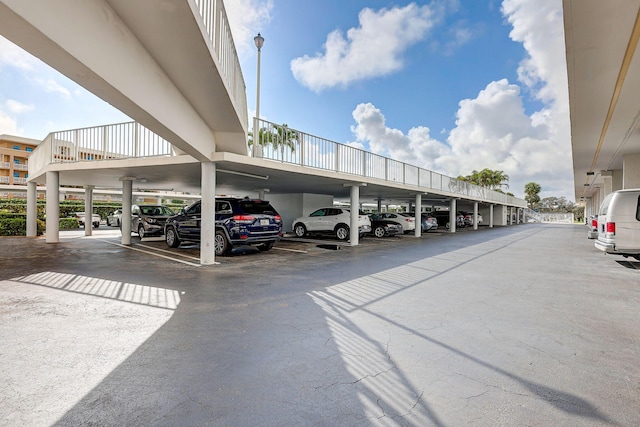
238 222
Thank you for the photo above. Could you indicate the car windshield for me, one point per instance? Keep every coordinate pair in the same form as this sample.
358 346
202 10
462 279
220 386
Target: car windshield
156 210
257 207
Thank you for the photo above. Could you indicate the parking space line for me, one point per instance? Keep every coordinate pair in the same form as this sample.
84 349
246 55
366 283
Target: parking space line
170 252
153 253
290 250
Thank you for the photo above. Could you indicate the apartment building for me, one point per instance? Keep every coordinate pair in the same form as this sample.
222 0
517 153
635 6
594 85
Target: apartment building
14 161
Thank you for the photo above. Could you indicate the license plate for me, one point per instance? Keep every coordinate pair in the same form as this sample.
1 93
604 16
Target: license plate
264 222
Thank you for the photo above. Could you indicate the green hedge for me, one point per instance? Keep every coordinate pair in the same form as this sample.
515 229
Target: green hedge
17 226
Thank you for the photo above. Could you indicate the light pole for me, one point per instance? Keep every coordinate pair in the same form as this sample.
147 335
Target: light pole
259 41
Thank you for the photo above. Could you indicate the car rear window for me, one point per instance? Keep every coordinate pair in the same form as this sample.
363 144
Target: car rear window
257 207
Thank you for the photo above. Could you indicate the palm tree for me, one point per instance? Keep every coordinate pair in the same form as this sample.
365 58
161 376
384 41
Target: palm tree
532 191
277 136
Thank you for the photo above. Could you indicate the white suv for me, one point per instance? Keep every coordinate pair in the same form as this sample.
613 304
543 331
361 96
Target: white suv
330 220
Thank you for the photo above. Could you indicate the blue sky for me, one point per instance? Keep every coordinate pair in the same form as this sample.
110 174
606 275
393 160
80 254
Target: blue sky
450 85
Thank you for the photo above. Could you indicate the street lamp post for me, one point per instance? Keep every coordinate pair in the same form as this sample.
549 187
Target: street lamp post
259 41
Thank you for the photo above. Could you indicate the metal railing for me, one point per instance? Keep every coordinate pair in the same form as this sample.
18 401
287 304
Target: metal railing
216 24
287 145
274 142
118 141
549 217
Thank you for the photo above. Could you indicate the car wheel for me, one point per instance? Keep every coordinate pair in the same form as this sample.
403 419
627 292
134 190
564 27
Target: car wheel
342 232
171 237
378 231
265 246
300 230
141 231
220 243
96 224
118 222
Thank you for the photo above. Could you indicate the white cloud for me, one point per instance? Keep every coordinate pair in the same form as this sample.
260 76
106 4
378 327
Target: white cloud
246 18
18 107
12 55
373 49
493 130
52 86
8 125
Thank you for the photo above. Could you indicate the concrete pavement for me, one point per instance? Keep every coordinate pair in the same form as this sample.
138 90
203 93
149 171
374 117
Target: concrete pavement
523 325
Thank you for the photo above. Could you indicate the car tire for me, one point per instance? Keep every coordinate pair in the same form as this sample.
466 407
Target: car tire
118 223
141 231
378 231
265 246
171 238
96 225
342 232
221 244
300 230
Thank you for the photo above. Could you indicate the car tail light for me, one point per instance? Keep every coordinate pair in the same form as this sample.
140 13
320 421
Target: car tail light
610 227
277 218
594 223
245 219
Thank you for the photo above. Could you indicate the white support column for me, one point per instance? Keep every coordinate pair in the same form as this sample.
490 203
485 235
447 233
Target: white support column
418 215
125 219
453 213
491 215
518 213
32 209
88 210
52 234
475 215
510 215
262 192
353 226
208 213
159 200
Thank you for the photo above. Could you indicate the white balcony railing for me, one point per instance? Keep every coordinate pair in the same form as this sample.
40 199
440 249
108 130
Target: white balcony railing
20 167
4 179
287 145
214 19
274 142
118 141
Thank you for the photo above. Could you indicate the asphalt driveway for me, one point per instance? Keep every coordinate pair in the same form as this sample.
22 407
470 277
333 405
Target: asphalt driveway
523 325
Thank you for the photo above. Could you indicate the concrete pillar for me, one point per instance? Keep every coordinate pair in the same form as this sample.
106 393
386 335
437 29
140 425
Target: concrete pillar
353 226
631 171
453 213
32 209
418 215
379 200
52 234
88 210
491 215
475 215
262 193
125 219
208 213
159 200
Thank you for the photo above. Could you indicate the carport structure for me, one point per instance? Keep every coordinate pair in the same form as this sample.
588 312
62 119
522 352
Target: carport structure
173 68
604 88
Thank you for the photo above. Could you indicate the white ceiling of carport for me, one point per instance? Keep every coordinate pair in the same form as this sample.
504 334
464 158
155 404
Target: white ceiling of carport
597 34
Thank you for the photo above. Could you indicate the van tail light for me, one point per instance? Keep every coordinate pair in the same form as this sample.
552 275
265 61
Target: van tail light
594 223
610 227
244 219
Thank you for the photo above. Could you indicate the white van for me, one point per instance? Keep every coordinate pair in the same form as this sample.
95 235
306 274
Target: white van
619 223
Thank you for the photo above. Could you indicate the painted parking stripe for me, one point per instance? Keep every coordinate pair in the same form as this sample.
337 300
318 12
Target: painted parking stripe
290 250
171 252
153 253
